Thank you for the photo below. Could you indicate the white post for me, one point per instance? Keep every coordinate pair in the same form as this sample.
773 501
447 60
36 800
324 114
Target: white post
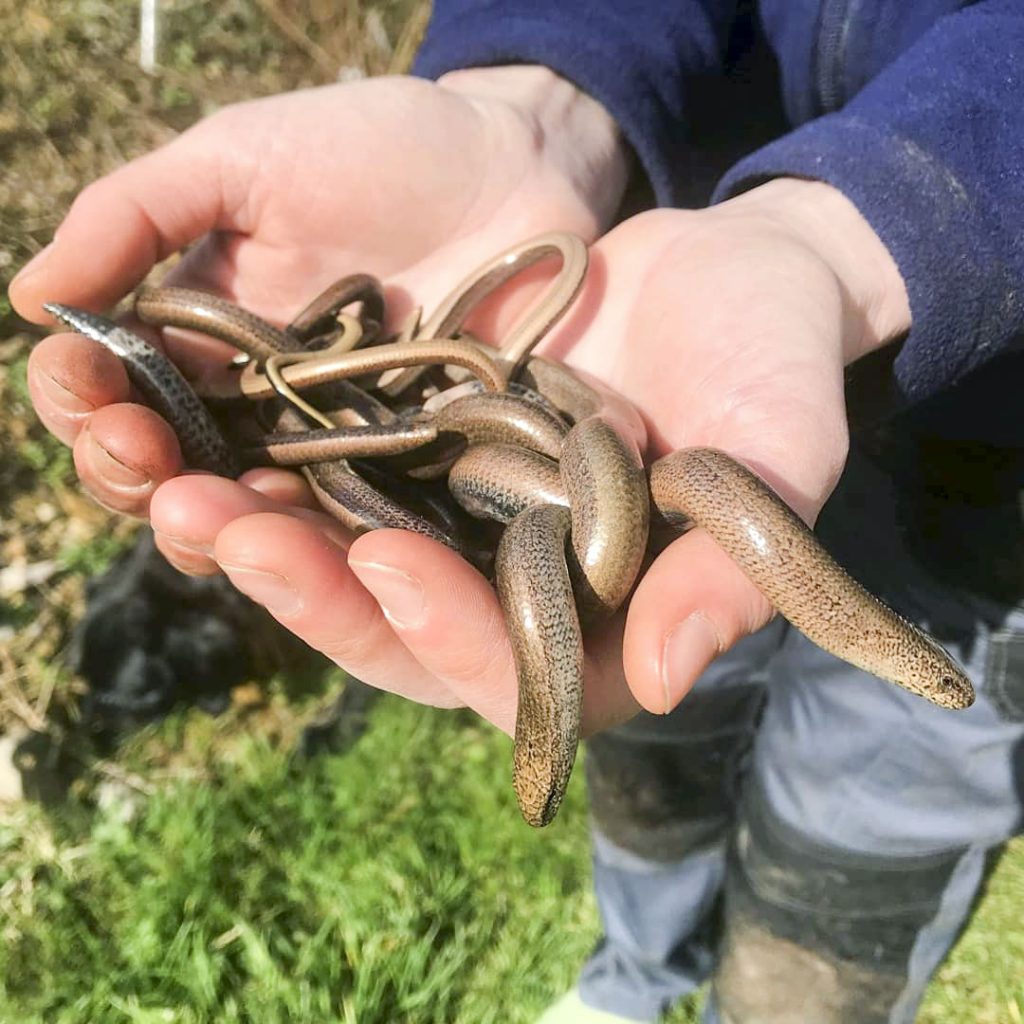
147 35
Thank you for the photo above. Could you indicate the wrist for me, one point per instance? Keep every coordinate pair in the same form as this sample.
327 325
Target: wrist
875 295
577 136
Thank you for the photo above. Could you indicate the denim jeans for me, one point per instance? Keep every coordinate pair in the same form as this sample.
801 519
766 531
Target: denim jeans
810 838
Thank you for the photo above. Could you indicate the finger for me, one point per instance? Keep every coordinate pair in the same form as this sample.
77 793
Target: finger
188 560
304 581
446 613
122 455
69 378
188 513
692 604
281 485
120 226
607 700
449 616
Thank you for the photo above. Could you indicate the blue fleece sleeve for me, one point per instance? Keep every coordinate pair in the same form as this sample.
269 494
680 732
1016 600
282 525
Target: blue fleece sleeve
632 55
932 153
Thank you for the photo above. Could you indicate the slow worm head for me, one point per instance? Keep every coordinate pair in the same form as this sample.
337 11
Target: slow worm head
785 561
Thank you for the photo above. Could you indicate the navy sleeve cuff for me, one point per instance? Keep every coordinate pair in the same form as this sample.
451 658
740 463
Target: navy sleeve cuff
929 152
635 70
957 283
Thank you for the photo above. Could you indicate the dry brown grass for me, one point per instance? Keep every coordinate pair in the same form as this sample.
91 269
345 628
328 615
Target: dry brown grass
73 105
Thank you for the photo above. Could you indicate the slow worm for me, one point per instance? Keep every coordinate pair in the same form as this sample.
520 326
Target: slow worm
554 456
252 384
785 561
319 318
168 306
604 516
162 385
702 487
533 325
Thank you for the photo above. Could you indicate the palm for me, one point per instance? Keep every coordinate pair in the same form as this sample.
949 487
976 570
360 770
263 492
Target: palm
721 340
396 177
757 371
322 183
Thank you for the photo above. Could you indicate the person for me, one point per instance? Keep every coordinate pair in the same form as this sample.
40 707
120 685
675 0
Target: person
848 824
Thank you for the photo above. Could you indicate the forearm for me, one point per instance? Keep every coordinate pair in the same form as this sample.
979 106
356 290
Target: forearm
633 59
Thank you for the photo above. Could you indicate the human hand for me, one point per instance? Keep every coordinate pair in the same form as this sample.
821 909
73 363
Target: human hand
410 180
789 310
728 327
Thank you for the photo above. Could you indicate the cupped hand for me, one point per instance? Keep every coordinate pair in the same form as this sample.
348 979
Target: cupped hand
416 182
727 327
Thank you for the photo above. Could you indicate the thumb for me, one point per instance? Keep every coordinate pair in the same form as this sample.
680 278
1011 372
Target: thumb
692 604
123 224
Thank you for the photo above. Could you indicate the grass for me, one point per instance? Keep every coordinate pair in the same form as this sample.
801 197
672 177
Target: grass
392 883
219 879
203 874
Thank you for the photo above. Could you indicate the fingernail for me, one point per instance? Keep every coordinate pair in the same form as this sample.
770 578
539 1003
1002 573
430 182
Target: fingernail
190 546
112 470
64 399
687 651
274 592
399 595
35 263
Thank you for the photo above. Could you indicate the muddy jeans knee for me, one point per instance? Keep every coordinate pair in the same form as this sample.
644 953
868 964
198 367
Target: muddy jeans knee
814 934
663 794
